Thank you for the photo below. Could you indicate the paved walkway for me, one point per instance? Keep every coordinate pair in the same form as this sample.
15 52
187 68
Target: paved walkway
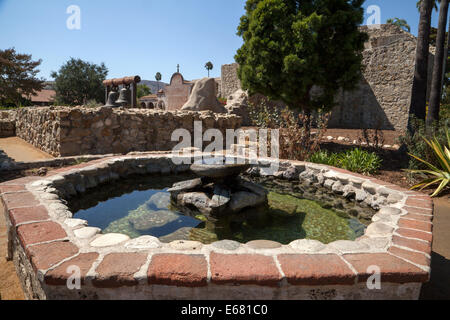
20 150
439 286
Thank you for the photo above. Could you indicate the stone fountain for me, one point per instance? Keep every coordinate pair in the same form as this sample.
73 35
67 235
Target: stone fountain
218 191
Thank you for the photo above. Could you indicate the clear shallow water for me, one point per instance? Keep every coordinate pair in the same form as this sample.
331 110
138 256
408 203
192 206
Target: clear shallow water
141 206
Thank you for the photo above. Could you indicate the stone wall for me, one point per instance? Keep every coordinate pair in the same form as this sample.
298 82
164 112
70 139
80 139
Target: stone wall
63 131
382 99
230 82
7 123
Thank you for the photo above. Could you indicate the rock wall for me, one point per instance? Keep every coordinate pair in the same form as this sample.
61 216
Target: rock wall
7 123
382 99
63 131
230 82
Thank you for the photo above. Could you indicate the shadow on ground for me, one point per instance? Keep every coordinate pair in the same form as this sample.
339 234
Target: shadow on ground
439 286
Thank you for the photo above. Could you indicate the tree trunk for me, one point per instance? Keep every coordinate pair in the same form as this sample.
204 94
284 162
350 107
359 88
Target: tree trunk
420 84
446 57
436 86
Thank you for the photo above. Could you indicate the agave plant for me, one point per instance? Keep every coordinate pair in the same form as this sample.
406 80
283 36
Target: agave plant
439 175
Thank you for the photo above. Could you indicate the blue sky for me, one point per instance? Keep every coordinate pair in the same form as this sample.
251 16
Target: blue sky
142 36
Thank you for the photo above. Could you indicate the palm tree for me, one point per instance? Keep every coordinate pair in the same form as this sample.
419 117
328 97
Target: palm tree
438 70
420 84
435 5
158 78
209 66
400 23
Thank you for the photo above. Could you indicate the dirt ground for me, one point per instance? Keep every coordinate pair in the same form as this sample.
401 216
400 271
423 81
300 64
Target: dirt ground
390 137
10 288
19 150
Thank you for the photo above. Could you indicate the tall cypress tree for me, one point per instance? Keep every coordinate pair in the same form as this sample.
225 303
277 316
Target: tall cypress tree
291 46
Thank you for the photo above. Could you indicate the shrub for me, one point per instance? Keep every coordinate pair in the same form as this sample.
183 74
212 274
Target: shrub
437 175
324 157
222 100
356 160
418 147
93 104
264 115
360 161
296 141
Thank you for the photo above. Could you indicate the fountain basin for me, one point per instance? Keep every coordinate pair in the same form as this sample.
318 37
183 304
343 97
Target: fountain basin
44 240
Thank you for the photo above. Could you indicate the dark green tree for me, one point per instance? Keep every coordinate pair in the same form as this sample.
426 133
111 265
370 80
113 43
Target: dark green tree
402 23
78 81
209 66
158 78
292 46
18 76
142 91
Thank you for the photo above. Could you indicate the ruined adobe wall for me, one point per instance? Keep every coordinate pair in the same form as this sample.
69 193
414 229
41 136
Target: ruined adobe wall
383 97
7 123
64 131
177 93
230 82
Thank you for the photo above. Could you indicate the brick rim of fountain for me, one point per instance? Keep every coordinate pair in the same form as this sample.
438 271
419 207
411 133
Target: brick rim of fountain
398 241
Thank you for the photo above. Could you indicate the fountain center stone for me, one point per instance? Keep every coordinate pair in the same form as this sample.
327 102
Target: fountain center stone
219 191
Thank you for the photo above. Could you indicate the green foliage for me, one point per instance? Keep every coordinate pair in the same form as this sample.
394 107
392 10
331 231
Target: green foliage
93 104
158 76
222 100
18 77
291 46
437 174
263 115
402 23
78 81
360 161
143 90
324 157
445 112
356 160
417 146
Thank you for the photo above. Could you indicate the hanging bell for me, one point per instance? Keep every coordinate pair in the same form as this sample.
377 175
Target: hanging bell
112 97
124 98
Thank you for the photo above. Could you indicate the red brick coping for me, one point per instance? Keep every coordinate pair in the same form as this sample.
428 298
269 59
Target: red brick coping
401 249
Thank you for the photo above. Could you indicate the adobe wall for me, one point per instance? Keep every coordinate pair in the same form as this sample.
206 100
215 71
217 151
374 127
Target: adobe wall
230 82
64 131
177 92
